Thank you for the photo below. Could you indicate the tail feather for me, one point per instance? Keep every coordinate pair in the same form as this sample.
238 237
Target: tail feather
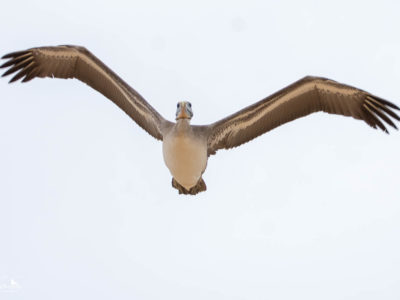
199 187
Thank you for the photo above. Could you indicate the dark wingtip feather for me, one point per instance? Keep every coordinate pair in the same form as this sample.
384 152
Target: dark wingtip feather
6 64
16 77
23 72
372 118
21 62
12 70
9 71
388 103
383 107
16 60
380 113
31 74
14 54
9 55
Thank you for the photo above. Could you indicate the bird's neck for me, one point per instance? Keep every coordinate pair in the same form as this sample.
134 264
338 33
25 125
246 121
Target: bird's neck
182 125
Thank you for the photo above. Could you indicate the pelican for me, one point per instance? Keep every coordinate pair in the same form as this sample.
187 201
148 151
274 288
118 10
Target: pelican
186 147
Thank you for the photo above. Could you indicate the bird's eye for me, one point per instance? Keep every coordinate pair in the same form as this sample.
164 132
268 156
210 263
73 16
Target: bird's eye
177 106
189 104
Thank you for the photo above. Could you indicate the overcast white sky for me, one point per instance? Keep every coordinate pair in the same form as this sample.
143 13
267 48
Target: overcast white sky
310 210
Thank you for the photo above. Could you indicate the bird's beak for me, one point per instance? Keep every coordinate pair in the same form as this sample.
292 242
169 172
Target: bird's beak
183 114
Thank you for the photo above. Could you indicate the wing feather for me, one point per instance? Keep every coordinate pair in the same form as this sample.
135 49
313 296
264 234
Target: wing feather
306 96
77 62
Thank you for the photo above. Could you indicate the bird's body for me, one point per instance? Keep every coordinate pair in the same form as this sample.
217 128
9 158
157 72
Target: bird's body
185 154
186 148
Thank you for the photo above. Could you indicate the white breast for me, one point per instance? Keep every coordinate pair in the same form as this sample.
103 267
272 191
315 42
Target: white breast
185 157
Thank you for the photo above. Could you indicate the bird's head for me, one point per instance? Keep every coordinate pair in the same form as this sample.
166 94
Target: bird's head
184 110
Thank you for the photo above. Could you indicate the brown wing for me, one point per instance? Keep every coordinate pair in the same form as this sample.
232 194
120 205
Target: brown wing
308 95
77 62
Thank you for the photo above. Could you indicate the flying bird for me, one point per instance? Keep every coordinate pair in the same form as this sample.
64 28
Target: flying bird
186 147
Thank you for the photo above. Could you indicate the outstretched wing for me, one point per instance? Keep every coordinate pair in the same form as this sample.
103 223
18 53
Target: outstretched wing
77 62
308 95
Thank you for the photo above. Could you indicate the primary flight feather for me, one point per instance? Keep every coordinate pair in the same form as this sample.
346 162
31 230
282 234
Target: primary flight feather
186 147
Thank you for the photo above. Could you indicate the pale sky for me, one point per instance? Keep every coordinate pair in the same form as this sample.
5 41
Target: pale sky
310 210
